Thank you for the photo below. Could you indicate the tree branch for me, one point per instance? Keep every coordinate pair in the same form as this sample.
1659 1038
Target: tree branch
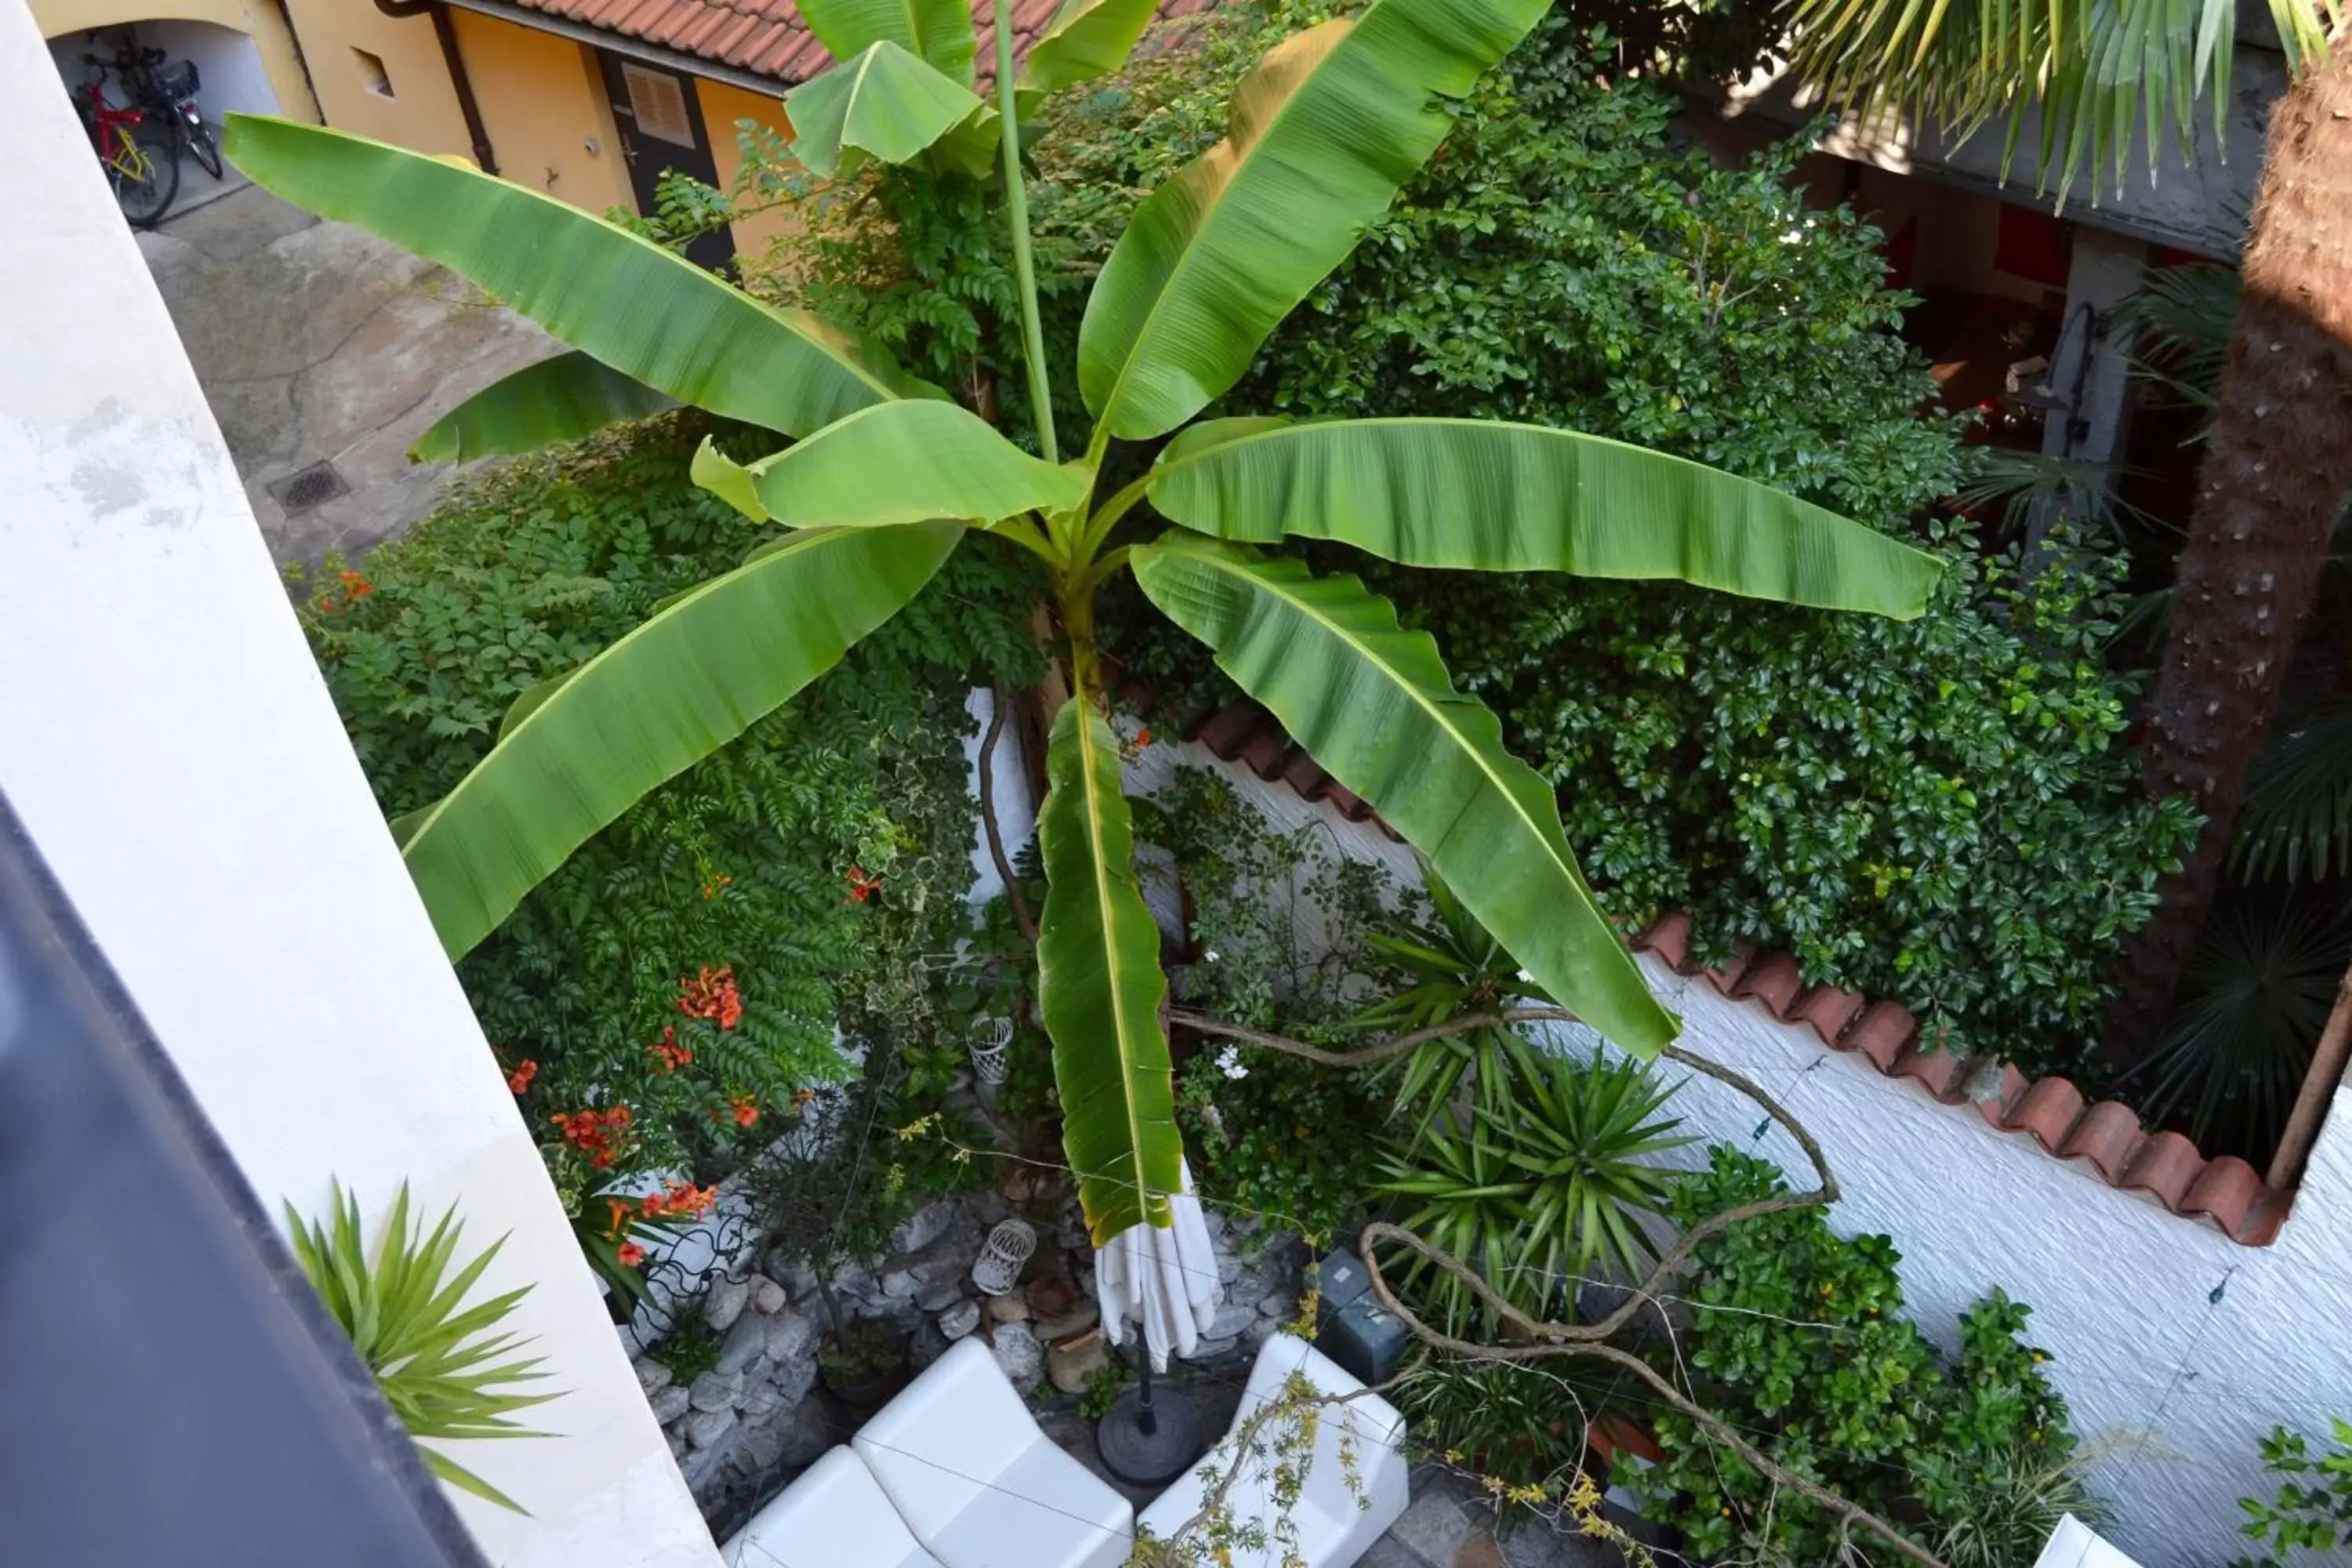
1013 894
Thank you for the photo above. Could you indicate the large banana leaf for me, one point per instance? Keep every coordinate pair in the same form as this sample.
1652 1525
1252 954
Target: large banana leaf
1086 38
1483 495
1099 986
939 31
649 314
558 399
887 103
899 462
1372 703
1323 133
681 686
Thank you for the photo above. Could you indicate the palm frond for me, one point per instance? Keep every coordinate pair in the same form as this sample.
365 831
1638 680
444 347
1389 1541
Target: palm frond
2297 818
2100 76
2255 998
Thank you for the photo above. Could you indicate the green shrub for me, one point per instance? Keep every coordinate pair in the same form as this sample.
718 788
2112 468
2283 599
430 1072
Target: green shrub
2313 1505
1795 1343
690 962
1942 810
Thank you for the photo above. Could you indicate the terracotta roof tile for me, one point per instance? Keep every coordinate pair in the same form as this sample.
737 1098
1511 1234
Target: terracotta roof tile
2105 1139
769 37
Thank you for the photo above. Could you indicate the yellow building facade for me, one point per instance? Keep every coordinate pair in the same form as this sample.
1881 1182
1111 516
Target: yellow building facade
588 117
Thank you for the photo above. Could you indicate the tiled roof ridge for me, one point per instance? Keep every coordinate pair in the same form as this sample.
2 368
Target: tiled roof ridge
2106 1138
769 39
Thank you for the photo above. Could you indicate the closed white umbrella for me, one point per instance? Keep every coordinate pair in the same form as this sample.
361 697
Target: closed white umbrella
1161 1278
1164 1279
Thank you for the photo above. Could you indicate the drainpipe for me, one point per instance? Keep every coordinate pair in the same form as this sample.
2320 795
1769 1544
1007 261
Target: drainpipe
401 10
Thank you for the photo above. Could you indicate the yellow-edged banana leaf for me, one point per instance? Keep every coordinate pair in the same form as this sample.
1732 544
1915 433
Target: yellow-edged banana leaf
936 31
1099 986
649 314
1373 705
887 103
1493 497
1086 38
1322 134
683 684
898 462
558 399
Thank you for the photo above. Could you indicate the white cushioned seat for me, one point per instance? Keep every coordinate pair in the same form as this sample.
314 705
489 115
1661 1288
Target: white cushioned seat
835 1516
979 1485
1333 1526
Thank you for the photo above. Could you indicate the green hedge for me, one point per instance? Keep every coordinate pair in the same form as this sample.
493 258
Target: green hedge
1941 811
746 863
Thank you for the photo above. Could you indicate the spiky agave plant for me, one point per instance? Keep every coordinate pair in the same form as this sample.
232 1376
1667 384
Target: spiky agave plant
886 477
435 1358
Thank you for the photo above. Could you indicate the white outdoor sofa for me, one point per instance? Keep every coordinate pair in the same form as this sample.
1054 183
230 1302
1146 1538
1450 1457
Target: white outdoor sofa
971 1481
954 1473
1335 1525
836 1515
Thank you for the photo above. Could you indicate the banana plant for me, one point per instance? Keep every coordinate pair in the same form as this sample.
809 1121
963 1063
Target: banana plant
883 477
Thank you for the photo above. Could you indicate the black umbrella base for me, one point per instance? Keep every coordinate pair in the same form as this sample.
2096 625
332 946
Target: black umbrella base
1155 1457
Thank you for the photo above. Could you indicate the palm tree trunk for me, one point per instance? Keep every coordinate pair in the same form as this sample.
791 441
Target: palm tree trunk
2274 474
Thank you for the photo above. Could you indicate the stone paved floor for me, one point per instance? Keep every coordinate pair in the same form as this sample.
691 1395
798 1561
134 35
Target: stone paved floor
315 342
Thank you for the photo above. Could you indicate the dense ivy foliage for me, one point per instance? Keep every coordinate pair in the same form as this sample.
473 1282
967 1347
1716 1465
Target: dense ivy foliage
1942 810
1794 1338
690 962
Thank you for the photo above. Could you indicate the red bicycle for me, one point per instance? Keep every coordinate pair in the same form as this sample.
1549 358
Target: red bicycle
139 157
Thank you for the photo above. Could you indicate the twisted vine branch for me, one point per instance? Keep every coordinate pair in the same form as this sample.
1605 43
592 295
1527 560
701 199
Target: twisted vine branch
1012 895
1548 1339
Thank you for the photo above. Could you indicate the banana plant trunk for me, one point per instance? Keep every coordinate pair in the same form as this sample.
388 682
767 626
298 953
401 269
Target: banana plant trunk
2274 477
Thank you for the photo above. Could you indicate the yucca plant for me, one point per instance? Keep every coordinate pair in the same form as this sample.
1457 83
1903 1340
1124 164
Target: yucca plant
1543 1190
436 1359
1456 968
886 477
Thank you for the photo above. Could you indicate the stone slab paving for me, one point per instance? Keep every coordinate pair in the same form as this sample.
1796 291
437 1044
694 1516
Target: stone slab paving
315 342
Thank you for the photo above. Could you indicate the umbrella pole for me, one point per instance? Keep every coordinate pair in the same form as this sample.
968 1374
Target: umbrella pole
1151 1436
1145 1416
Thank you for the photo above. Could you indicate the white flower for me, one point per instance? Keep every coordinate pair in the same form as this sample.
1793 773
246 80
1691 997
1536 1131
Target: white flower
1229 1062
1211 955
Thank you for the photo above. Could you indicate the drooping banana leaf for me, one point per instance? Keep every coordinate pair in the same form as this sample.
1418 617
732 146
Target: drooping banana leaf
1099 986
1086 38
1373 705
899 462
887 103
649 314
1322 134
1496 496
937 31
558 399
665 696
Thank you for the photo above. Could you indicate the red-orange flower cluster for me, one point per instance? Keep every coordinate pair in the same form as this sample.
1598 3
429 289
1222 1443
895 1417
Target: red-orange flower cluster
746 1112
673 1055
683 1199
712 888
861 885
355 588
1143 737
631 1255
711 994
593 1131
519 1079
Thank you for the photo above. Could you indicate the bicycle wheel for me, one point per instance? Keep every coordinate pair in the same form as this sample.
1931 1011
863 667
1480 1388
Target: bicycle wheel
145 173
207 150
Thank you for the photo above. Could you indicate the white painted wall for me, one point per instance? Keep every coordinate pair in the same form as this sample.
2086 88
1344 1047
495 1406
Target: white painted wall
167 741
2172 1388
